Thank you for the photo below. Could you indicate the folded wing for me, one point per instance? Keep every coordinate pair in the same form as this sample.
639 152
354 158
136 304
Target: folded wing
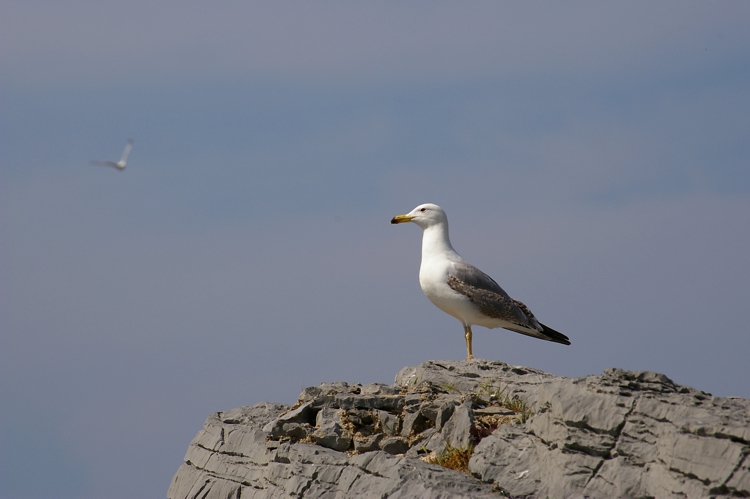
493 301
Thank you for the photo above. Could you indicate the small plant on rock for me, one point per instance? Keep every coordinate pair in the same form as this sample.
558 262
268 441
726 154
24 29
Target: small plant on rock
451 388
520 407
502 398
455 458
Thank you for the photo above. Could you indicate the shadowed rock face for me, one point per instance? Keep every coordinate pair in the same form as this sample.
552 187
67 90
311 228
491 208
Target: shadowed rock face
620 434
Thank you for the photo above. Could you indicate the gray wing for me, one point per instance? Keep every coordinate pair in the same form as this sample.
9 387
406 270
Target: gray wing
491 299
494 302
126 151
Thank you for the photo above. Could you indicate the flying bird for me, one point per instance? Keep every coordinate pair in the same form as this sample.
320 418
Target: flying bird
120 165
460 289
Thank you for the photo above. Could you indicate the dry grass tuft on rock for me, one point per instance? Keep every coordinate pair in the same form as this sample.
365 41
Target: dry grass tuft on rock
453 458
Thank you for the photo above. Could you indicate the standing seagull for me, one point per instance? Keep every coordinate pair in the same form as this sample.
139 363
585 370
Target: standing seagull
460 289
120 165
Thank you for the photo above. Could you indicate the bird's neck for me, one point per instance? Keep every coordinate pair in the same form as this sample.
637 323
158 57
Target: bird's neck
435 241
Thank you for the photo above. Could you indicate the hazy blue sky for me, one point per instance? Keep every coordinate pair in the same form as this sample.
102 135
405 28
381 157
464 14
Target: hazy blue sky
594 158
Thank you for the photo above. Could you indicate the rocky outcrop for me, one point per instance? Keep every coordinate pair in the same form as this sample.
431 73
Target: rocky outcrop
528 434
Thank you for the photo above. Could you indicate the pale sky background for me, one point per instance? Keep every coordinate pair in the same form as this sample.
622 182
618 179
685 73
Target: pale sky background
594 158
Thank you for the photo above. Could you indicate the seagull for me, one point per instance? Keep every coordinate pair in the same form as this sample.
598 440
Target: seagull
120 165
460 289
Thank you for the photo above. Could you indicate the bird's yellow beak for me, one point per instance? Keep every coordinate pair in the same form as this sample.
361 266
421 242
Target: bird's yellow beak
399 219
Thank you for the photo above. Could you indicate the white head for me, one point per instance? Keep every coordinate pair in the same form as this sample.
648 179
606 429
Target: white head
424 215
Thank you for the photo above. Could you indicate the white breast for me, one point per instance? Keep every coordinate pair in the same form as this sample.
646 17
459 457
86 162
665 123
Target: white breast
433 278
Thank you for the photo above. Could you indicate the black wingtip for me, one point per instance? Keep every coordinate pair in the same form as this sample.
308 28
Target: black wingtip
555 336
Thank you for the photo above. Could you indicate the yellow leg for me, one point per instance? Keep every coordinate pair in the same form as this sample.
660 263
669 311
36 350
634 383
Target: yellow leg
467 335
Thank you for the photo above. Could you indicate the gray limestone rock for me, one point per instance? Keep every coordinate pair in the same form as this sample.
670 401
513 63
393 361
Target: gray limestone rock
379 389
329 432
439 410
303 414
457 430
296 431
389 422
620 434
394 445
414 424
368 443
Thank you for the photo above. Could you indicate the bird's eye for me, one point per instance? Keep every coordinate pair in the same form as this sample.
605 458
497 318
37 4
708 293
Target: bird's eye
423 209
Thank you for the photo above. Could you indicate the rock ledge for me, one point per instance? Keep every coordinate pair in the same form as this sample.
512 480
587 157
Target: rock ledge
534 435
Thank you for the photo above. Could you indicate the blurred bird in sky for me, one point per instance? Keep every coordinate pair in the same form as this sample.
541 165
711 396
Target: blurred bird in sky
120 165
